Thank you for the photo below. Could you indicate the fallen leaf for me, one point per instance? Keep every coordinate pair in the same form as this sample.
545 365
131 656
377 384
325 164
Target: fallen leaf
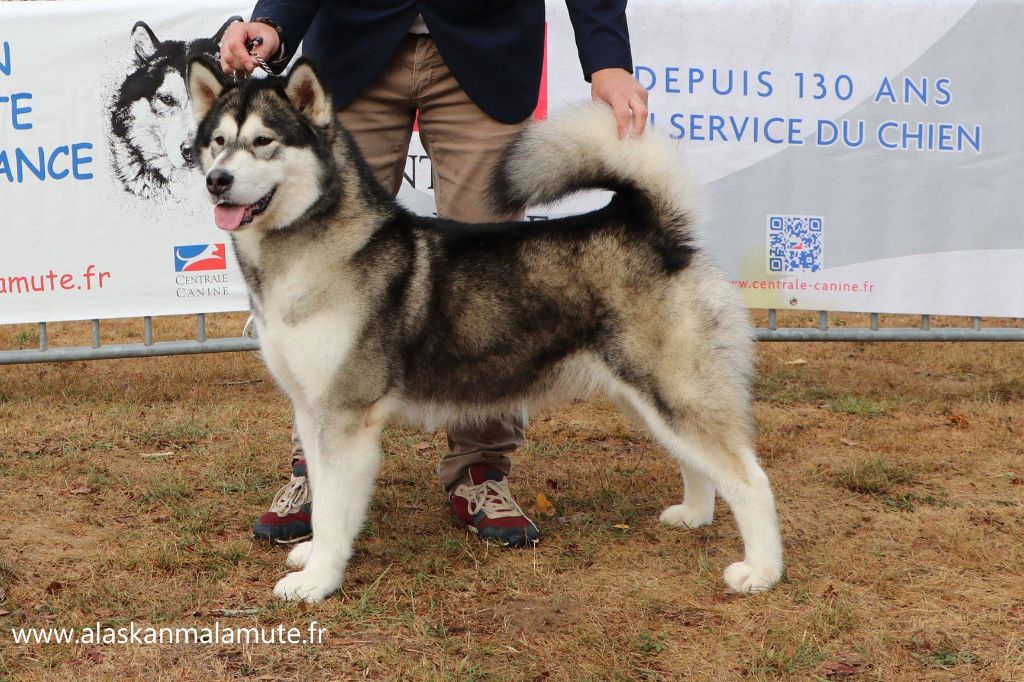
837 669
93 656
847 441
621 526
157 455
54 587
83 490
422 445
798 361
553 484
842 664
544 506
959 421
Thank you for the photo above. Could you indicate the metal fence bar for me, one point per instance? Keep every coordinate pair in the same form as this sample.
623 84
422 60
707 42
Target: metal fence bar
246 342
892 334
127 350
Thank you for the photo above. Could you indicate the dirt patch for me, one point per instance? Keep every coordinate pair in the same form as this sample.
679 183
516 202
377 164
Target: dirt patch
530 616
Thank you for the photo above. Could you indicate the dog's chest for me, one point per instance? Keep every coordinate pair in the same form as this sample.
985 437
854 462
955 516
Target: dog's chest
305 334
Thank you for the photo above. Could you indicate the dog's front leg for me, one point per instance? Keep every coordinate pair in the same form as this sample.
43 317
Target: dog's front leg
343 463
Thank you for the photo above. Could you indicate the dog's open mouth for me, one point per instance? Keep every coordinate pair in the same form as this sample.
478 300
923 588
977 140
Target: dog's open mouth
233 216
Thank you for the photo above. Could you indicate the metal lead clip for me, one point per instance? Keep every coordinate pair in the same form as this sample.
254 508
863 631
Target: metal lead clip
250 47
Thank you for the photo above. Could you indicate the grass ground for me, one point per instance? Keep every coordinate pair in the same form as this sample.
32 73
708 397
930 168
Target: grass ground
128 489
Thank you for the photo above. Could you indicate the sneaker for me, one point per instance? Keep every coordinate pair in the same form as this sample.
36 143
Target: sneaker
484 503
289 518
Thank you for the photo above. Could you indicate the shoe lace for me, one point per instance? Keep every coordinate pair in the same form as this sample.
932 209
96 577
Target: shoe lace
290 498
493 497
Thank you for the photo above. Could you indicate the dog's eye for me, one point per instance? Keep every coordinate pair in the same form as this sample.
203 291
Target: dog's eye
168 100
219 140
261 141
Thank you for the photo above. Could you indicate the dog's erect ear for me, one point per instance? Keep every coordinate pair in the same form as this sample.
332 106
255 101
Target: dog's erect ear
307 93
220 33
205 83
144 42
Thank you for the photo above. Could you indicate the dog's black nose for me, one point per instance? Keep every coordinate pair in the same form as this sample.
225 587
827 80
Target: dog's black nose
218 181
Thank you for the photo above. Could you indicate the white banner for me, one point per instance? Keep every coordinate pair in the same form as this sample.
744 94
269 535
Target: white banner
104 213
858 155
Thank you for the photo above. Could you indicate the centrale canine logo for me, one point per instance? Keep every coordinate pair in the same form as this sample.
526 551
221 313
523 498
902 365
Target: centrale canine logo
194 257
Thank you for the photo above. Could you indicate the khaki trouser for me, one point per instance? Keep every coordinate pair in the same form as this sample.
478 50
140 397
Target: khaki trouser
463 144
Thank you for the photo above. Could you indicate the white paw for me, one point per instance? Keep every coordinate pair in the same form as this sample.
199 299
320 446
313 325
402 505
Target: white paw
686 517
307 585
745 579
299 556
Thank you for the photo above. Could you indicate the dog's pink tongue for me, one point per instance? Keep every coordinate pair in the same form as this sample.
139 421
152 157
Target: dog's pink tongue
228 216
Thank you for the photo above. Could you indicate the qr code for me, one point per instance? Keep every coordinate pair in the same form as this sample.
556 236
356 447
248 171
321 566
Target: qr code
794 243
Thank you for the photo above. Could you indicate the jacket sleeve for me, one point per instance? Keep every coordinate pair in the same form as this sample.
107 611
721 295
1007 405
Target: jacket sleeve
602 37
292 16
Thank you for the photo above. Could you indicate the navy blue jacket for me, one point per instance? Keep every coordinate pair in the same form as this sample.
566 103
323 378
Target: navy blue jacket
494 48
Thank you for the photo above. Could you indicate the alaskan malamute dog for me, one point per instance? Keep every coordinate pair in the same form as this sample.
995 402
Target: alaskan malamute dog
150 127
367 313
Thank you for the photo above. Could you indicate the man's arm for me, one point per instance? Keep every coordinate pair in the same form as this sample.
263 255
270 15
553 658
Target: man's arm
602 39
291 17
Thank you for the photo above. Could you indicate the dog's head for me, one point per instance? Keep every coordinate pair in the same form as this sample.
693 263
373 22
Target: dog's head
264 144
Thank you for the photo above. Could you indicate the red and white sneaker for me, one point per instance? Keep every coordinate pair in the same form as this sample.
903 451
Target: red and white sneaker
484 503
290 517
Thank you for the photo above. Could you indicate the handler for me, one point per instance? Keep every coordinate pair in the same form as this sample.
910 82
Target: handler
471 70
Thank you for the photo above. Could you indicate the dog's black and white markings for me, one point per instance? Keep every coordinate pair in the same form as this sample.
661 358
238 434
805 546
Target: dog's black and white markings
367 313
150 123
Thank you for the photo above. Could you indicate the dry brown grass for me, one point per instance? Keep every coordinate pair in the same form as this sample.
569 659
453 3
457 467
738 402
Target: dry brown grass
897 470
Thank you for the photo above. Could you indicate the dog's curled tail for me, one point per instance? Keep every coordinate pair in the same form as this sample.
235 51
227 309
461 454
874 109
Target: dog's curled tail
580 149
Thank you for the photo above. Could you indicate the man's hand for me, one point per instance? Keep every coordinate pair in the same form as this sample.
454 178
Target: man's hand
233 55
625 95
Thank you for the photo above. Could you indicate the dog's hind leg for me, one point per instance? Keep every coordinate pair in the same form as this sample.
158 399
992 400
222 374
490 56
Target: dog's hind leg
698 507
745 488
716 456
343 465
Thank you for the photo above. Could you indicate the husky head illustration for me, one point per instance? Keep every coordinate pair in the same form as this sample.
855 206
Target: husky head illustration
150 123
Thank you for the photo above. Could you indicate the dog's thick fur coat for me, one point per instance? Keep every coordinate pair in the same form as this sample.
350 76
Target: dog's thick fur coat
367 313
